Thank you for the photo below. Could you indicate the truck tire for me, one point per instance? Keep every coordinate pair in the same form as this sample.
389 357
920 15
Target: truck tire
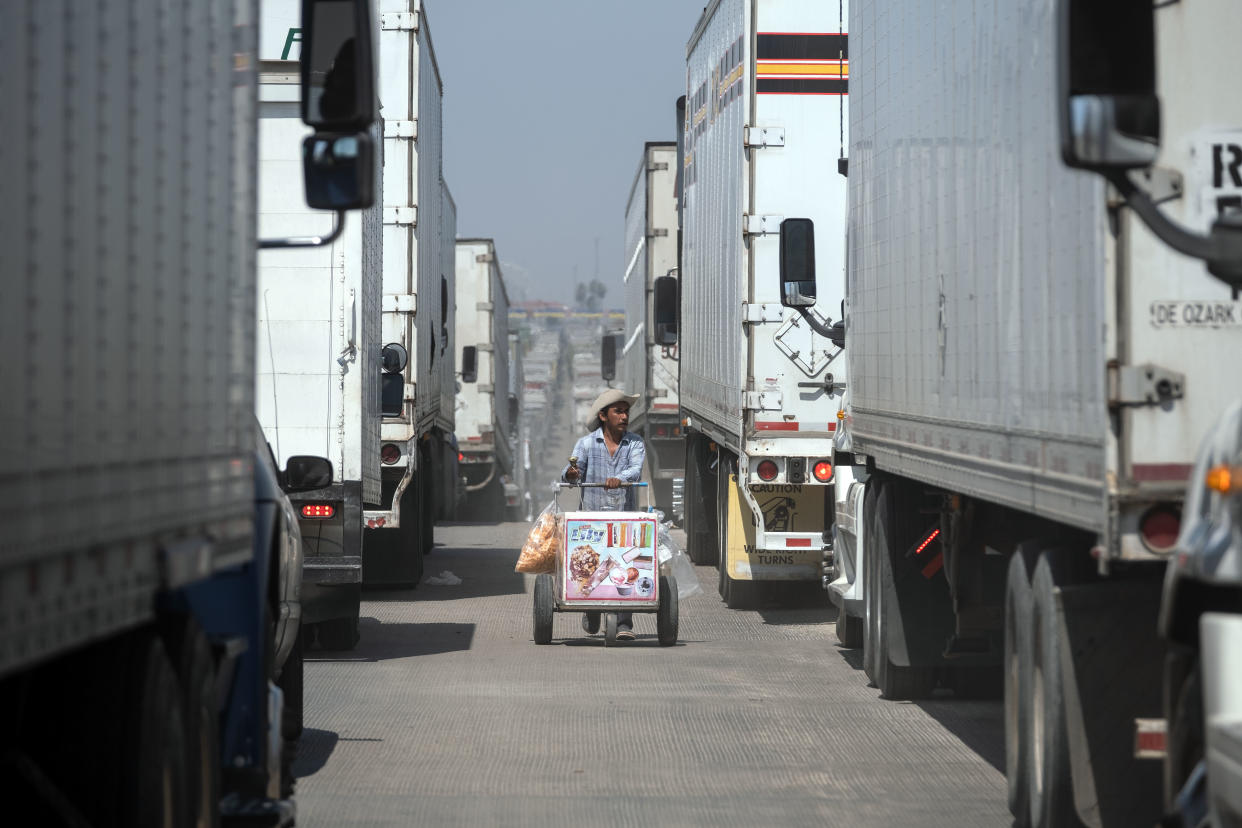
544 609
1016 667
699 506
291 724
667 615
426 537
1183 711
870 626
153 739
849 630
1051 784
190 653
894 682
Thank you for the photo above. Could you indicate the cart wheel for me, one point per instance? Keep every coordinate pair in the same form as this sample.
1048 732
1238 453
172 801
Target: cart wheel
666 615
543 609
610 629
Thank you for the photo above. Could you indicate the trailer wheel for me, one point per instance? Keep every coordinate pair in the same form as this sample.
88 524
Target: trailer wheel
870 628
1183 710
849 630
291 723
667 615
610 629
700 537
154 787
190 652
895 682
544 609
1016 666
1051 786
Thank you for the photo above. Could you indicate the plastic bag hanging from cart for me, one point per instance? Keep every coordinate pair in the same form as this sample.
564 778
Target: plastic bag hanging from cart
538 556
675 562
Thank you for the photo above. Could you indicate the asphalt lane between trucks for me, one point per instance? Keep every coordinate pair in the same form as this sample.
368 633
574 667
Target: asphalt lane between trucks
447 713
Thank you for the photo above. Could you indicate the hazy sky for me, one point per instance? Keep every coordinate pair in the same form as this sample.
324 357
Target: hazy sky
547 104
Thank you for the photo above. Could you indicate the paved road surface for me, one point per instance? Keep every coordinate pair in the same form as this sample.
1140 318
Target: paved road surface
448 714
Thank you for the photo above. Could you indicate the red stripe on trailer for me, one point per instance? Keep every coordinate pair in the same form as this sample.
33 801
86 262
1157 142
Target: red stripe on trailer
934 565
664 407
797 542
776 426
1161 472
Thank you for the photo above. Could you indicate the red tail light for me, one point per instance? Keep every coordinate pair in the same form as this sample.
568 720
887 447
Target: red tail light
822 471
318 510
1159 527
461 457
767 470
389 454
661 431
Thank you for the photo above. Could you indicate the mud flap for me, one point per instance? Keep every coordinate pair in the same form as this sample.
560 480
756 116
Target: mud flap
798 509
1111 669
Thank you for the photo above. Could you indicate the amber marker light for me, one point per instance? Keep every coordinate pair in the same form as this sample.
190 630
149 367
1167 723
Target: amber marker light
1224 479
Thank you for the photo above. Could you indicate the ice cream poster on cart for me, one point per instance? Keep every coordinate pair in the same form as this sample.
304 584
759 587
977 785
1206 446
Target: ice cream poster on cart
610 556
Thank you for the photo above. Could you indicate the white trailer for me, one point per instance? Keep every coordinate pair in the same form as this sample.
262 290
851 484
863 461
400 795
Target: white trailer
482 402
1030 373
317 388
417 425
149 564
648 354
759 388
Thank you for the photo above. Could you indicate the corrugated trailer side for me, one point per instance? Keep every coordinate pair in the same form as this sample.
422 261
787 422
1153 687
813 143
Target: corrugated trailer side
713 276
977 322
129 342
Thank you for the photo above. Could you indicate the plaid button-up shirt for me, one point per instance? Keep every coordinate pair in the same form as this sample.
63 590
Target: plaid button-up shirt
596 465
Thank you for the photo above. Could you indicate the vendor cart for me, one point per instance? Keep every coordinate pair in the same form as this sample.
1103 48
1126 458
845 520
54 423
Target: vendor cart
608 562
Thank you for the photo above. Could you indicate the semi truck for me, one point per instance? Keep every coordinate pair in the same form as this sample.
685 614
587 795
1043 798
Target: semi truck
760 384
483 424
648 352
417 454
148 563
1147 71
1031 367
318 353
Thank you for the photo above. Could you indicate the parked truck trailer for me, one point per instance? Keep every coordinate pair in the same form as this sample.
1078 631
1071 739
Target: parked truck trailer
149 563
418 460
648 352
759 386
483 427
1030 371
319 360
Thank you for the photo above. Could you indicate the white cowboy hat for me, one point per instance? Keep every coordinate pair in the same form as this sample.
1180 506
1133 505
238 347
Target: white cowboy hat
609 397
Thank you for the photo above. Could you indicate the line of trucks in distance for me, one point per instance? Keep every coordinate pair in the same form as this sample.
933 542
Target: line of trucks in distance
953 327
250 424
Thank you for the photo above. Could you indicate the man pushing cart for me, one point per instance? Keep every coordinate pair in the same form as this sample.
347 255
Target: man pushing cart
609 456
607 561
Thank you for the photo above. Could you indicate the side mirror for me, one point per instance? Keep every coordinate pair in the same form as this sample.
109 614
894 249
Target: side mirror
395 357
1108 112
797 263
338 65
608 358
339 171
470 364
665 301
392 395
305 472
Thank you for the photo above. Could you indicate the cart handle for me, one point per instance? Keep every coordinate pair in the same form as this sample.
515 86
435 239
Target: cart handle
642 484
623 485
